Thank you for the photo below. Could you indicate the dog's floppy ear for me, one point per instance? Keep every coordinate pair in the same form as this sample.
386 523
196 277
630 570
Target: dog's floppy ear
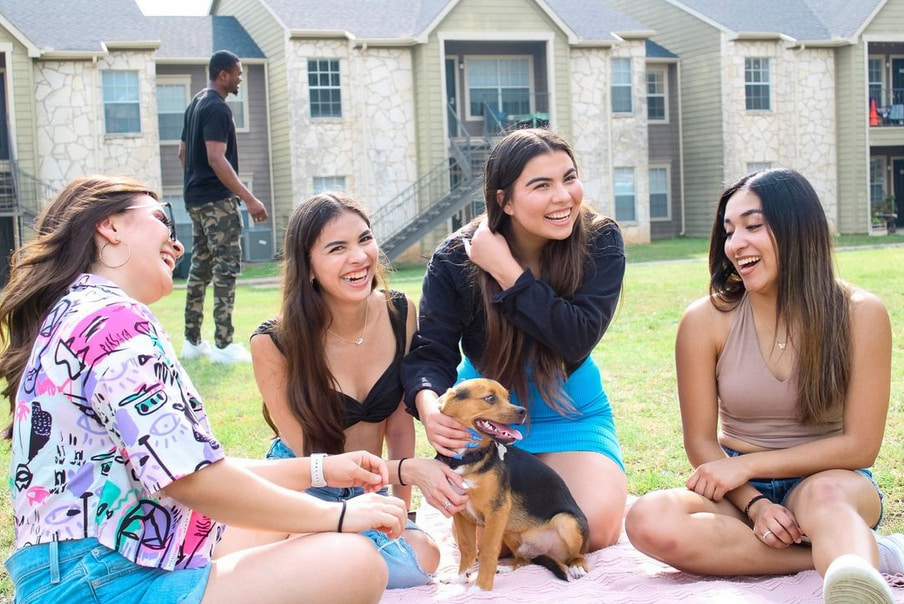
450 393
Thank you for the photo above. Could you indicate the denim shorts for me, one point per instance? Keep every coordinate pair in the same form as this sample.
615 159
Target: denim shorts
778 489
404 569
84 571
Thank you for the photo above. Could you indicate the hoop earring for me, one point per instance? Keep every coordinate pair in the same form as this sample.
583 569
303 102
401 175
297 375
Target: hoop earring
122 264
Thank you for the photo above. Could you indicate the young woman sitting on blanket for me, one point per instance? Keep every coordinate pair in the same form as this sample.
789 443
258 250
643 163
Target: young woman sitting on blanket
526 292
328 367
784 375
119 490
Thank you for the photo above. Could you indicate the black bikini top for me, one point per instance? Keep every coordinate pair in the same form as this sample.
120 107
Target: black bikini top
386 394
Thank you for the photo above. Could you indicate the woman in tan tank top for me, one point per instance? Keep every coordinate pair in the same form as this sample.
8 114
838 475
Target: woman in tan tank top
784 376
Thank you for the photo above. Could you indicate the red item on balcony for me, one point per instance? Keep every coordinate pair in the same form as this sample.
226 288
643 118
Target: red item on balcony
873 114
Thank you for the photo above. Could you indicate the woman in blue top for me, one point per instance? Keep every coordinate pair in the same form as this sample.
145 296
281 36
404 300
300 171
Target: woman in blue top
527 291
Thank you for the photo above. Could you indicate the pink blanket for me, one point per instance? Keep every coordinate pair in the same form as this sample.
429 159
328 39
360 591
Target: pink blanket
618 574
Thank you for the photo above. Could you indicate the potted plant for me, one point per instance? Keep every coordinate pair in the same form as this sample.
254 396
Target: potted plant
885 215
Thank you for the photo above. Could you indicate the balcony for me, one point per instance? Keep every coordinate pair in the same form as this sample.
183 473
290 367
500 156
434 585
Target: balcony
886 107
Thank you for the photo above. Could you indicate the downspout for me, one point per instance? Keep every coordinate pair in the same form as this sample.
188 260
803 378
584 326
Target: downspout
273 220
681 151
98 128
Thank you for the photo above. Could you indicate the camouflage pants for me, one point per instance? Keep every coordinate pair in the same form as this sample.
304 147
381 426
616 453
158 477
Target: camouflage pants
217 255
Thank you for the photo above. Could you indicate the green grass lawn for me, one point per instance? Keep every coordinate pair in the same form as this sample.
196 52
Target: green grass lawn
636 357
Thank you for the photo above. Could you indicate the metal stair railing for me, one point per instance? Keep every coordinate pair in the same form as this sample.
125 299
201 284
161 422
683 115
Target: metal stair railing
30 193
435 197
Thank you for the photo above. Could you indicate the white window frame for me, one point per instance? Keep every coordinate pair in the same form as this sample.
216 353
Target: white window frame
877 160
668 192
633 193
466 88
664 95
136 101
329 183
749 70
880 101
234 99
173 80
312 88
629 85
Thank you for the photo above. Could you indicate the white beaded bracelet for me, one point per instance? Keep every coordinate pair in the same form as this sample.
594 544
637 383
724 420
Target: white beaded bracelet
317 479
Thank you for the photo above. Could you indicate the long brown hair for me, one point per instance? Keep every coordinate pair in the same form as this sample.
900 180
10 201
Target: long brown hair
508 354
42 270
312 391
813 303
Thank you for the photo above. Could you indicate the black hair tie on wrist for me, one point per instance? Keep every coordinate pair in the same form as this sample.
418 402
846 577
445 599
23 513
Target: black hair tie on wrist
751 502
341 517
399 469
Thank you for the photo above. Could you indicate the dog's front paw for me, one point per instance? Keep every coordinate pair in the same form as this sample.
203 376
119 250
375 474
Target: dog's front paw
459 579
576 572
504 569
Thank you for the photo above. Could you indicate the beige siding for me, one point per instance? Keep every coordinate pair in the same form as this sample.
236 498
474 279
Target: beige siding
698 47
271 38
853 153
21 86
890 20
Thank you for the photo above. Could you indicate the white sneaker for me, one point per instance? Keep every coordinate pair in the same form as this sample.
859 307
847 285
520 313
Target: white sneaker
852 580
234 353
891 553
194 351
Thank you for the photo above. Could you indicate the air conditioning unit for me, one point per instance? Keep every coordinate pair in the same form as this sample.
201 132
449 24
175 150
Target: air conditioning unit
257 245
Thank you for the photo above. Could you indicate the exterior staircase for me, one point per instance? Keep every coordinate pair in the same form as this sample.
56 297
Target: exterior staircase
21 194
435 197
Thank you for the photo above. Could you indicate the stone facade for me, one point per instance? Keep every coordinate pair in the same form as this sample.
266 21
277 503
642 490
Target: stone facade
373 144
798 131
603 141
70 121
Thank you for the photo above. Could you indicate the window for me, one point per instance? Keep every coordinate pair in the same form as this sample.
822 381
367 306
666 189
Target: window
875 73
624 195
326 94
172 99
122 113
758 166
621 86
876 180
756 84
502 84
657 84
659 193
328 183
239 108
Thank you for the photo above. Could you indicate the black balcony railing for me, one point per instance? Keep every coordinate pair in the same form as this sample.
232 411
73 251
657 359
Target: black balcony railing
886 106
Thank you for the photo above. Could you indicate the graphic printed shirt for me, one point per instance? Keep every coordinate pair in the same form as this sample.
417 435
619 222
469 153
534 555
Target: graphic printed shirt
106 417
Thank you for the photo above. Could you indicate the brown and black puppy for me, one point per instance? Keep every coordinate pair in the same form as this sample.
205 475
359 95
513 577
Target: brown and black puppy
518 499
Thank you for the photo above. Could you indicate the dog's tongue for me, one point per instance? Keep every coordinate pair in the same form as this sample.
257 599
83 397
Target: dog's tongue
506 433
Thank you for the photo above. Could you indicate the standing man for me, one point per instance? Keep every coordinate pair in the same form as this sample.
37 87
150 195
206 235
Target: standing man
212 192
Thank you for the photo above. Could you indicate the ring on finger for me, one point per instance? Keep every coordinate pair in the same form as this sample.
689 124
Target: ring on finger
767 533
447 505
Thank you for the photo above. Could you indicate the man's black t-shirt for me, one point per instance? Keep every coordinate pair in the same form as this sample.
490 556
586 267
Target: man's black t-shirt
207 118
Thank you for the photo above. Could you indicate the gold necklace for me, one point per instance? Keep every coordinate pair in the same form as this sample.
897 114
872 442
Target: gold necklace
360 339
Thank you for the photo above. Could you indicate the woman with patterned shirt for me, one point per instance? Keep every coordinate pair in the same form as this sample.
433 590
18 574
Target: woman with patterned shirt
119 490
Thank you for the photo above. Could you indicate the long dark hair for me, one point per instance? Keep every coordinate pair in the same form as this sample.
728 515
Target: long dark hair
562 266
42 270
813 303
311 389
